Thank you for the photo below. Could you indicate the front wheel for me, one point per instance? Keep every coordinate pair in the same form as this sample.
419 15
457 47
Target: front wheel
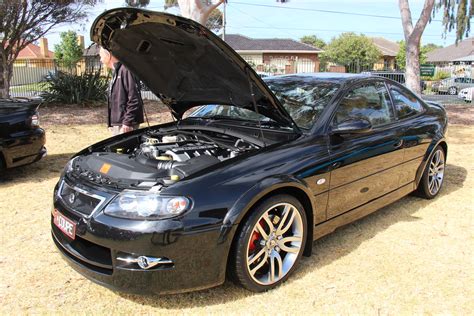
433 176
453 91
270 244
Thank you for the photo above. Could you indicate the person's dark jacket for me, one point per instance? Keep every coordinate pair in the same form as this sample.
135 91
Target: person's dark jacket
125 103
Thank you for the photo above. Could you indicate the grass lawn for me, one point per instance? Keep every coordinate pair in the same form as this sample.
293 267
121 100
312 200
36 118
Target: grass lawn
412 257
32 87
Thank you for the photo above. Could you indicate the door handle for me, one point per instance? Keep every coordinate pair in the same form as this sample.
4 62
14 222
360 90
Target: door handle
335 165
398 144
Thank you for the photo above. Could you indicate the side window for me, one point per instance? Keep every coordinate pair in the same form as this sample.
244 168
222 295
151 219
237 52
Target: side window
406 104
370 101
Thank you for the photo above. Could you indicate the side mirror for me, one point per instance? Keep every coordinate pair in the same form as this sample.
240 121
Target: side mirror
353 125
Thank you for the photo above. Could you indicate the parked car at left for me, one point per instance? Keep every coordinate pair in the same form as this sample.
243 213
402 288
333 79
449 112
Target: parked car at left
21 138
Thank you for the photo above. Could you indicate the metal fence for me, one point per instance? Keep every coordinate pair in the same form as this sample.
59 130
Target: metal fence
30 77
446 86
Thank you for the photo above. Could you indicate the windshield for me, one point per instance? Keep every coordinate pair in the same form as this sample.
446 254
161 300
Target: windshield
304 99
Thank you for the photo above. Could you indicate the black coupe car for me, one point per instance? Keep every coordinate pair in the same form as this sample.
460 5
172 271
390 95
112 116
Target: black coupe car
248 175
21 138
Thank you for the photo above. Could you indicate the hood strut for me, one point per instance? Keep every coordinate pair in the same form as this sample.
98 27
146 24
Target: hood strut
252 94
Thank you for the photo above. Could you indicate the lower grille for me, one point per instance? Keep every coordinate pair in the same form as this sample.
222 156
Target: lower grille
84 252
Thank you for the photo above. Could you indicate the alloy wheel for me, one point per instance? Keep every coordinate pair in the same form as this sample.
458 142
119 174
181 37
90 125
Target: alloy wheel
452 91
275 243
436 172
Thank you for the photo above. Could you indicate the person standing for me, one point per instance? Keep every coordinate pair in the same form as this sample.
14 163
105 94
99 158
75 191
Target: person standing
125 105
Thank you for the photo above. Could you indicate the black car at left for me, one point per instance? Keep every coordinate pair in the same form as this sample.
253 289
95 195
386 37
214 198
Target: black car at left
249 173
22 140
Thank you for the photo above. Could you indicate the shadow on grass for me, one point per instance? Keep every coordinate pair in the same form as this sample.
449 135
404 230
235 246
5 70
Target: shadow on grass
49 167
325 250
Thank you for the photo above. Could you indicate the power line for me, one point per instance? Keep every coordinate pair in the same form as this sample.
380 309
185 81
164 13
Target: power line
258 20
324 11
327 30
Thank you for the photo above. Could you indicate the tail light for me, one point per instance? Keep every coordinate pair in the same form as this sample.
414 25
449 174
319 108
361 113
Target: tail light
35 120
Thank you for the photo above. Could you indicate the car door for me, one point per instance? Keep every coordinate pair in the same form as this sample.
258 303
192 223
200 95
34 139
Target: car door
364 165
416 131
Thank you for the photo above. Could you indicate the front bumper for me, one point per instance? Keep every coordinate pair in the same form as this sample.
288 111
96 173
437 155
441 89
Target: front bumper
199 255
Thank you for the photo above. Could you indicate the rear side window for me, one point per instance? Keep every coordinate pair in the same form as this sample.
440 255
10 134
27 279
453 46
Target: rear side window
370 101
406 104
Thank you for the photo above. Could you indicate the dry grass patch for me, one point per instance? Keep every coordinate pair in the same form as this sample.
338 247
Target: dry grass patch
414 256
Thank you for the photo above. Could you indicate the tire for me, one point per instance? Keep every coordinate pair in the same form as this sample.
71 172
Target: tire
261 258
433 176
453 91
2 162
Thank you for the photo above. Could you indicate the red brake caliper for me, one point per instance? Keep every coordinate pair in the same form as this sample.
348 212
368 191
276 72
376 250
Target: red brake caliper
255 237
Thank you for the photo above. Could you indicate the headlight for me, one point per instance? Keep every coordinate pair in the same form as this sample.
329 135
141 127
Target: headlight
69 166
146 205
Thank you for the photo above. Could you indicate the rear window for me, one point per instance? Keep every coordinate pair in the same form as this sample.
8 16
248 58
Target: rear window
406 104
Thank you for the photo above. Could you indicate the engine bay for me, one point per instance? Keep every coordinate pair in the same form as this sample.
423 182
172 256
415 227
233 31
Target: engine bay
158 157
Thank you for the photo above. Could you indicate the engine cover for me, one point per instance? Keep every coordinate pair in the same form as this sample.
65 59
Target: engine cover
117 166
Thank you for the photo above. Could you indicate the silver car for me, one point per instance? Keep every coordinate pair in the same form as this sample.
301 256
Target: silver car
452 86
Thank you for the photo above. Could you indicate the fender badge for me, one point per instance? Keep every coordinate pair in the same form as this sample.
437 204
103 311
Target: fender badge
321 181
105 168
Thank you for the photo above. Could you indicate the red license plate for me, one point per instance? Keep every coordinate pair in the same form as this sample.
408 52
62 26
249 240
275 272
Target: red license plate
66 225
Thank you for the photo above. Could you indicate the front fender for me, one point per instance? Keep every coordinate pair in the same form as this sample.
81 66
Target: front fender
264 187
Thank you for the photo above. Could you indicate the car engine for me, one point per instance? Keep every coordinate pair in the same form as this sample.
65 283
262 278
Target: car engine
157 157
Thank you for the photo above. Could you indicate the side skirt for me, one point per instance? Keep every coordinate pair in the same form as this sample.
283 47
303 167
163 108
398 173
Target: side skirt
331 225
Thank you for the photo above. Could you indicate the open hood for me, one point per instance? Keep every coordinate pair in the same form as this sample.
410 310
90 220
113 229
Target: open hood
184 63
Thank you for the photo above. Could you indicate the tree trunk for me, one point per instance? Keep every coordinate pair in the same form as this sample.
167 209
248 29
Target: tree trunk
197 10
412 71
5 77
413 39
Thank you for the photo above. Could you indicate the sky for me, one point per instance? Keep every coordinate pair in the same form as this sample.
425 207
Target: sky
270 19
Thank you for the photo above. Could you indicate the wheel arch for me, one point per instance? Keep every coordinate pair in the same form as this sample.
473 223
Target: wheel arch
237 215
444 145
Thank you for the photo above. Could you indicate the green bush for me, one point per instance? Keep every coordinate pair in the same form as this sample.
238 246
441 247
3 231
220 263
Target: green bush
75 89
440 75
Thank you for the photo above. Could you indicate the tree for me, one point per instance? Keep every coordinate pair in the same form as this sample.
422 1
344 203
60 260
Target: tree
456 14
424 50
197 10
68 51
313 40
25 21
350 49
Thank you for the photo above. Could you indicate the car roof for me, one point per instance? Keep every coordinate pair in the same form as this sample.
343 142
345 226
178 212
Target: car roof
323 76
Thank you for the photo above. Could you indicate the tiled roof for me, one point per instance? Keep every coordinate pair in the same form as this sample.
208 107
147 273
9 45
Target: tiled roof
239 43
452 52
92 50
386 47
33 51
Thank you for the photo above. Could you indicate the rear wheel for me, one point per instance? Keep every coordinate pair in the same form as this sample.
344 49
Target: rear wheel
270 244
453 91
433 176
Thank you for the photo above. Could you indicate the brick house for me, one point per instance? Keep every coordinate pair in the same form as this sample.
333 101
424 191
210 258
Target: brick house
275 55
388 51
33 63
456 54
37 55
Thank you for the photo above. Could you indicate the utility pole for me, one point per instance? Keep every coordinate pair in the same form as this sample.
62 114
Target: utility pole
224 16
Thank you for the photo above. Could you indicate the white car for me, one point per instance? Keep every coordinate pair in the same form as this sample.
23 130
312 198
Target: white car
466 94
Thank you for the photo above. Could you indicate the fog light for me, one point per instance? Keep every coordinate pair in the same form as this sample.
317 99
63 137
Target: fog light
145 262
